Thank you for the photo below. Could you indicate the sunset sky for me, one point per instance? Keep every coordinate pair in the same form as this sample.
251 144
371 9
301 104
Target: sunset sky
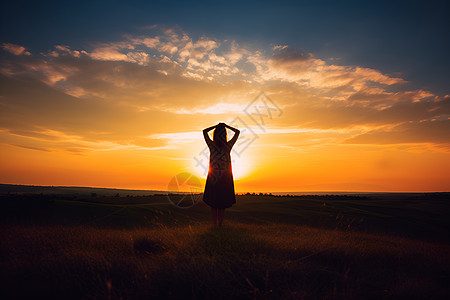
329 95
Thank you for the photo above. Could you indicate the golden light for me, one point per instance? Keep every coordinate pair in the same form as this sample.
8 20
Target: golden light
240 164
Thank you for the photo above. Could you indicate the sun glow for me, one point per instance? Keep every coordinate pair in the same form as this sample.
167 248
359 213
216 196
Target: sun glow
240 164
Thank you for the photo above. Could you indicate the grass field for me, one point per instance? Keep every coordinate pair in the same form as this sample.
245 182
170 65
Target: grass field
375 246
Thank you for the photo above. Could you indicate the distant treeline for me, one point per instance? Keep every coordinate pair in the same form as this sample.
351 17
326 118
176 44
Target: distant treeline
89 194
74 196
328 196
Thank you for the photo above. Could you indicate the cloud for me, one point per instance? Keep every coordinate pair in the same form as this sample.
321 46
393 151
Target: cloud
288 55
118 93
15 49
32 148
429 131
110 52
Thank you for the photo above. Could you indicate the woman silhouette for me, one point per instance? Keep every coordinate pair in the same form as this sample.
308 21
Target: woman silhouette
219 187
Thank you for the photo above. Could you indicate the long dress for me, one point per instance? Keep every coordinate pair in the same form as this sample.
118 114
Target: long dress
219 187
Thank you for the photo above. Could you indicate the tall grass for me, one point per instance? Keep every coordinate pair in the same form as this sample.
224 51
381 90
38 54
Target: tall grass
198 261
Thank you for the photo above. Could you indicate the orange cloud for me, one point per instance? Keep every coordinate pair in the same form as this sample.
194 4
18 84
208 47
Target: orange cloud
15 49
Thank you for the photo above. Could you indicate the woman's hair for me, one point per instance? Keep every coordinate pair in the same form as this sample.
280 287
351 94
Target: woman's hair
220 135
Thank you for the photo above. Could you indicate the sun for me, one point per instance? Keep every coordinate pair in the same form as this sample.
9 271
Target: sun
240 164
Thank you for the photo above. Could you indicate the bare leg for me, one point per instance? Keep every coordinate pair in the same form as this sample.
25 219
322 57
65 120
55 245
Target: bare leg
214 216
220 215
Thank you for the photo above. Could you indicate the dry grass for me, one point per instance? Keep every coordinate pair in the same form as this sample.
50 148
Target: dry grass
235 261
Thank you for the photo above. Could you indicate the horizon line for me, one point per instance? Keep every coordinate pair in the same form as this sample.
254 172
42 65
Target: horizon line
237 193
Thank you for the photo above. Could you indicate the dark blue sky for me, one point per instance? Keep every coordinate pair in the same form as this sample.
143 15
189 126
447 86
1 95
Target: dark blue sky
406 38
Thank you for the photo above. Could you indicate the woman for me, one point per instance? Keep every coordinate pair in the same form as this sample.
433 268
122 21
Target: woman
219 187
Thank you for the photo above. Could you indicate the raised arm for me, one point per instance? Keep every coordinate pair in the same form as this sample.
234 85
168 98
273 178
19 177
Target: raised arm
235 137
206 135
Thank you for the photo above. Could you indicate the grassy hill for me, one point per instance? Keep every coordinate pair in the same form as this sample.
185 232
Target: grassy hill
86 246
70 190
